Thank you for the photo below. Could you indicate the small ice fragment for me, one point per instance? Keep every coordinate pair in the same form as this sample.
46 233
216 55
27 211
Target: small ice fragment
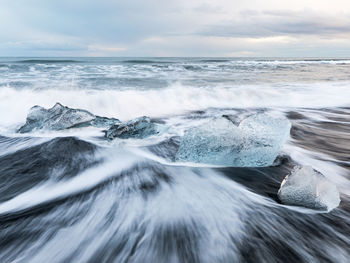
307 187
138 128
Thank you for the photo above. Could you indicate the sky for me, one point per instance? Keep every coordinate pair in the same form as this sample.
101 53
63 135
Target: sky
244 28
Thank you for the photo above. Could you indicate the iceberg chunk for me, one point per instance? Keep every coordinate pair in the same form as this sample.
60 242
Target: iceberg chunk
60 117
215 142
255 142
138 128
264 138
307 187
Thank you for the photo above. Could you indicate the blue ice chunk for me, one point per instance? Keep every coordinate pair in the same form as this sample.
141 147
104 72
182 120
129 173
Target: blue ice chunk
214 142
139 128
264 138
255 142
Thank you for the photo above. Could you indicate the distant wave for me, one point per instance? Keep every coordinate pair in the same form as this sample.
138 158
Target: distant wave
35 61
214 60
306 60
316 59
145 61
194 60
279 60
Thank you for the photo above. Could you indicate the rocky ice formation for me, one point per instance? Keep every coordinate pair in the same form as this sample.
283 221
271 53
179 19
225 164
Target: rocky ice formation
138 128
307 187
60 117
255 142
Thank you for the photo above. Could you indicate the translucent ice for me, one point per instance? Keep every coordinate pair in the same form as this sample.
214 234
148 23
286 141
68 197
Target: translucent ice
264 138
60 117
255 142
215 142
309 188
138 128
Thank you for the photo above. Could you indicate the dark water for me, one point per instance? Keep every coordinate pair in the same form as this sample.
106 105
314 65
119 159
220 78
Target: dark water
71 196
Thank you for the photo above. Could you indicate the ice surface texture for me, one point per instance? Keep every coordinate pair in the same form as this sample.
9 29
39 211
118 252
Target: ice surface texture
255 142
309 188
138 128
60 117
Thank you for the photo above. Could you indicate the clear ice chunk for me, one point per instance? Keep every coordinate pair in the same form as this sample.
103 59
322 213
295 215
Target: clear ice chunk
60 117
307 187
264 138
255 142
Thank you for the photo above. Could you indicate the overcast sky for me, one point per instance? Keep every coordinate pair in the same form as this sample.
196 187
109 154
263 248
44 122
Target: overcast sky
175 28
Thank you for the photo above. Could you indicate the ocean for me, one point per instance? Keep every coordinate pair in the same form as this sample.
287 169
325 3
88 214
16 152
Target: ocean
71 195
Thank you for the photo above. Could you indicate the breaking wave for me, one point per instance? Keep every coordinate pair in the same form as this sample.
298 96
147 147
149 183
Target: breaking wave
176 99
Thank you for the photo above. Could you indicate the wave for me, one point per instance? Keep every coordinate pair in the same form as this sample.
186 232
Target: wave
299 61
49 161
215 60
11 145
47 61
176 99
129 201
120 204
146 61
129 209
194 61
40 189
275 61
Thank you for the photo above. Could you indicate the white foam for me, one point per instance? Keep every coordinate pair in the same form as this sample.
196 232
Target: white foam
176 99
54 190
321 162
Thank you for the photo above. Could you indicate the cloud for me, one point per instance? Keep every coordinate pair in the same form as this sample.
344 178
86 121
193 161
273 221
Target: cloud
91 27
280 23
209 8
173 28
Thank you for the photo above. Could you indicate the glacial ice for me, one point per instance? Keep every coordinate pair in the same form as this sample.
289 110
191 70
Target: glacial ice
255 142
307 187
139 128
60 117
265 136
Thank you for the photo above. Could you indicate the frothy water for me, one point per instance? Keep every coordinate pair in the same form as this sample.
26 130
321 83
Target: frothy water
72 196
